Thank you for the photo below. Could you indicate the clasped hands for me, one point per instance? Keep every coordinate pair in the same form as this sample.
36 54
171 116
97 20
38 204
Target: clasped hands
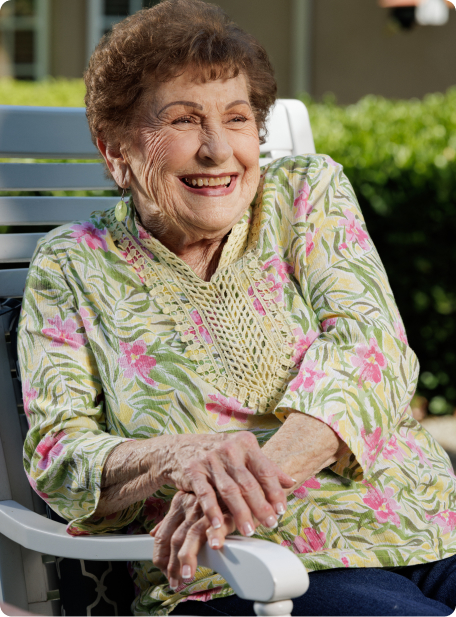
225 483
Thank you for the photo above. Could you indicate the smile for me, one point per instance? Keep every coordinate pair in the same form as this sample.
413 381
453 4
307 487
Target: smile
201 181
210 186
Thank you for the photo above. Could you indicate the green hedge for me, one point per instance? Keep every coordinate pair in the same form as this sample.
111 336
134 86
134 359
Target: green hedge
401 159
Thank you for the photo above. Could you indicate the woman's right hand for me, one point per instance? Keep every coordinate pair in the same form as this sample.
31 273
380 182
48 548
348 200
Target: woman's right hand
233 466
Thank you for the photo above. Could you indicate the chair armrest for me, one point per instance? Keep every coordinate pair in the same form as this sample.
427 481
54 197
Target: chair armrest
255 569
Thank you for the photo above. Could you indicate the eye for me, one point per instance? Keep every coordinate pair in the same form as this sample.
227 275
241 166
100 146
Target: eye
183 120
238 119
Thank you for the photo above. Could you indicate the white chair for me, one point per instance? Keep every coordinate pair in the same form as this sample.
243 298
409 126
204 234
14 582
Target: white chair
257 570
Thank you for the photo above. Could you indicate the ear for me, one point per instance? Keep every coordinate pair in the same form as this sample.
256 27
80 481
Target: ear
116 163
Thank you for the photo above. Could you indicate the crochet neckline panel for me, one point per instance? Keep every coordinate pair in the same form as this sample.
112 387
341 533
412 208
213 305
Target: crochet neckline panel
235 326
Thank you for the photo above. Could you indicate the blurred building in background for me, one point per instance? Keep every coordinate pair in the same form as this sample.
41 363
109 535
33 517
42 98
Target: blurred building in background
348 47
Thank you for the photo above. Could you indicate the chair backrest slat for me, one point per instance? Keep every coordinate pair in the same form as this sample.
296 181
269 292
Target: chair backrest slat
16 248
12 282
45 133
53 177
50 210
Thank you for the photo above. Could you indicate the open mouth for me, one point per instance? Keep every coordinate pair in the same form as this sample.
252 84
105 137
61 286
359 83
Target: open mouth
203 182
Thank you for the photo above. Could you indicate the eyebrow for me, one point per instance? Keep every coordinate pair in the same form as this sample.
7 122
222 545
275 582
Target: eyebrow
198 106
234 103
184 103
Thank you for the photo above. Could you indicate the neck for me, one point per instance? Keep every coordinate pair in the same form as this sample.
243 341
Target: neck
199 250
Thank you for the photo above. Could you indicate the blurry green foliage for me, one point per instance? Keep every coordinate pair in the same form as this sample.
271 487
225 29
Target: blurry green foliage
401 158
49 93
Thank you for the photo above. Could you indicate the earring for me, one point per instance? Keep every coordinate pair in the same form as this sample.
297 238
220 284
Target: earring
121 208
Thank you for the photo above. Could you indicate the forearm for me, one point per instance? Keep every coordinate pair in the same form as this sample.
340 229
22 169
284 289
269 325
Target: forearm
303 446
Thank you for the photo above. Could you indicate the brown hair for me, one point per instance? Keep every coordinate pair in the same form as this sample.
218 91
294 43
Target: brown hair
162 42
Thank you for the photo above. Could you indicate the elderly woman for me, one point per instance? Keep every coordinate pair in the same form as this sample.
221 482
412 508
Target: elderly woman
225 353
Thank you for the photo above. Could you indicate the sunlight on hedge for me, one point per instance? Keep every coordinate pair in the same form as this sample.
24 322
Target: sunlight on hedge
49 93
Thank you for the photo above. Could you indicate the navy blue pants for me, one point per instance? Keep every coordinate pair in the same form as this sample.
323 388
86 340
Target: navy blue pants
427 589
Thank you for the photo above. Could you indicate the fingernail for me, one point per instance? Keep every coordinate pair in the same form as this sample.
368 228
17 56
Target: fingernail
216 524
280 508
248 529
173 583
271 522
295 481
215 543
186 572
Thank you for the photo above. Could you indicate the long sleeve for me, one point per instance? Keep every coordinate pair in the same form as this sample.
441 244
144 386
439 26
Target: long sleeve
359 373
67 443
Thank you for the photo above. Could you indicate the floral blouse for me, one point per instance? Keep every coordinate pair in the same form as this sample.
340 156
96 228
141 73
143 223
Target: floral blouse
119 340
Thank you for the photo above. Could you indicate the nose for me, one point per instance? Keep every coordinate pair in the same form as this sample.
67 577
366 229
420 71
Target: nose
215 148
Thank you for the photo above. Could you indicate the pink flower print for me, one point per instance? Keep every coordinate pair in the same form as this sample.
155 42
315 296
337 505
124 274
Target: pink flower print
392 451
136 362
303 343
310 242
301 203
414 447
94 238
196 317
28 394
227 408
400 332
373 442
315 541
446 520
302 491
203 596
282 267
353 230
85 316
342 246
328 323
307 377
345 562
256 303
370 360
383 505
64 332
72 530
32 483
155 509
49 449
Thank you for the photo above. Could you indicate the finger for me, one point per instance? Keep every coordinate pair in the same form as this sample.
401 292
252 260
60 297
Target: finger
174 572
206 496
231 495
155 529
268 476
254 495
216 537
168 526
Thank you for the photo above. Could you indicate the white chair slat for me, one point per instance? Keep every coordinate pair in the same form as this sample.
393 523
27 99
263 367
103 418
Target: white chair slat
50 210
299 125
53 177
279 135
45 133
18 247
12 283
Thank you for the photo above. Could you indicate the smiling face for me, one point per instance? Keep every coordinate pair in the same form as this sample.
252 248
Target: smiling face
193 164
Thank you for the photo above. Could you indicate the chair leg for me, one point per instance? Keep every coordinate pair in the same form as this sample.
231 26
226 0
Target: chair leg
12 580
273 609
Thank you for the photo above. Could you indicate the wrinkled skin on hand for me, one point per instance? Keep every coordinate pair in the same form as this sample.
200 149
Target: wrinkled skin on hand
302 447
230 465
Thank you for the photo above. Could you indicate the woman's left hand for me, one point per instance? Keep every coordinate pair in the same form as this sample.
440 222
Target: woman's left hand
180 536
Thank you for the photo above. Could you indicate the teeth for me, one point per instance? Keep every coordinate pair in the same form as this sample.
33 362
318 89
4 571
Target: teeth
209 181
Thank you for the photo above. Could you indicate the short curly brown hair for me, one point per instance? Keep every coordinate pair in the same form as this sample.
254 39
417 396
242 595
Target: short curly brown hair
163 42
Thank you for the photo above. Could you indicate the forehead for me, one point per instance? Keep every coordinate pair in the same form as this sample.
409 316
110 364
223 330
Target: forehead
193 87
